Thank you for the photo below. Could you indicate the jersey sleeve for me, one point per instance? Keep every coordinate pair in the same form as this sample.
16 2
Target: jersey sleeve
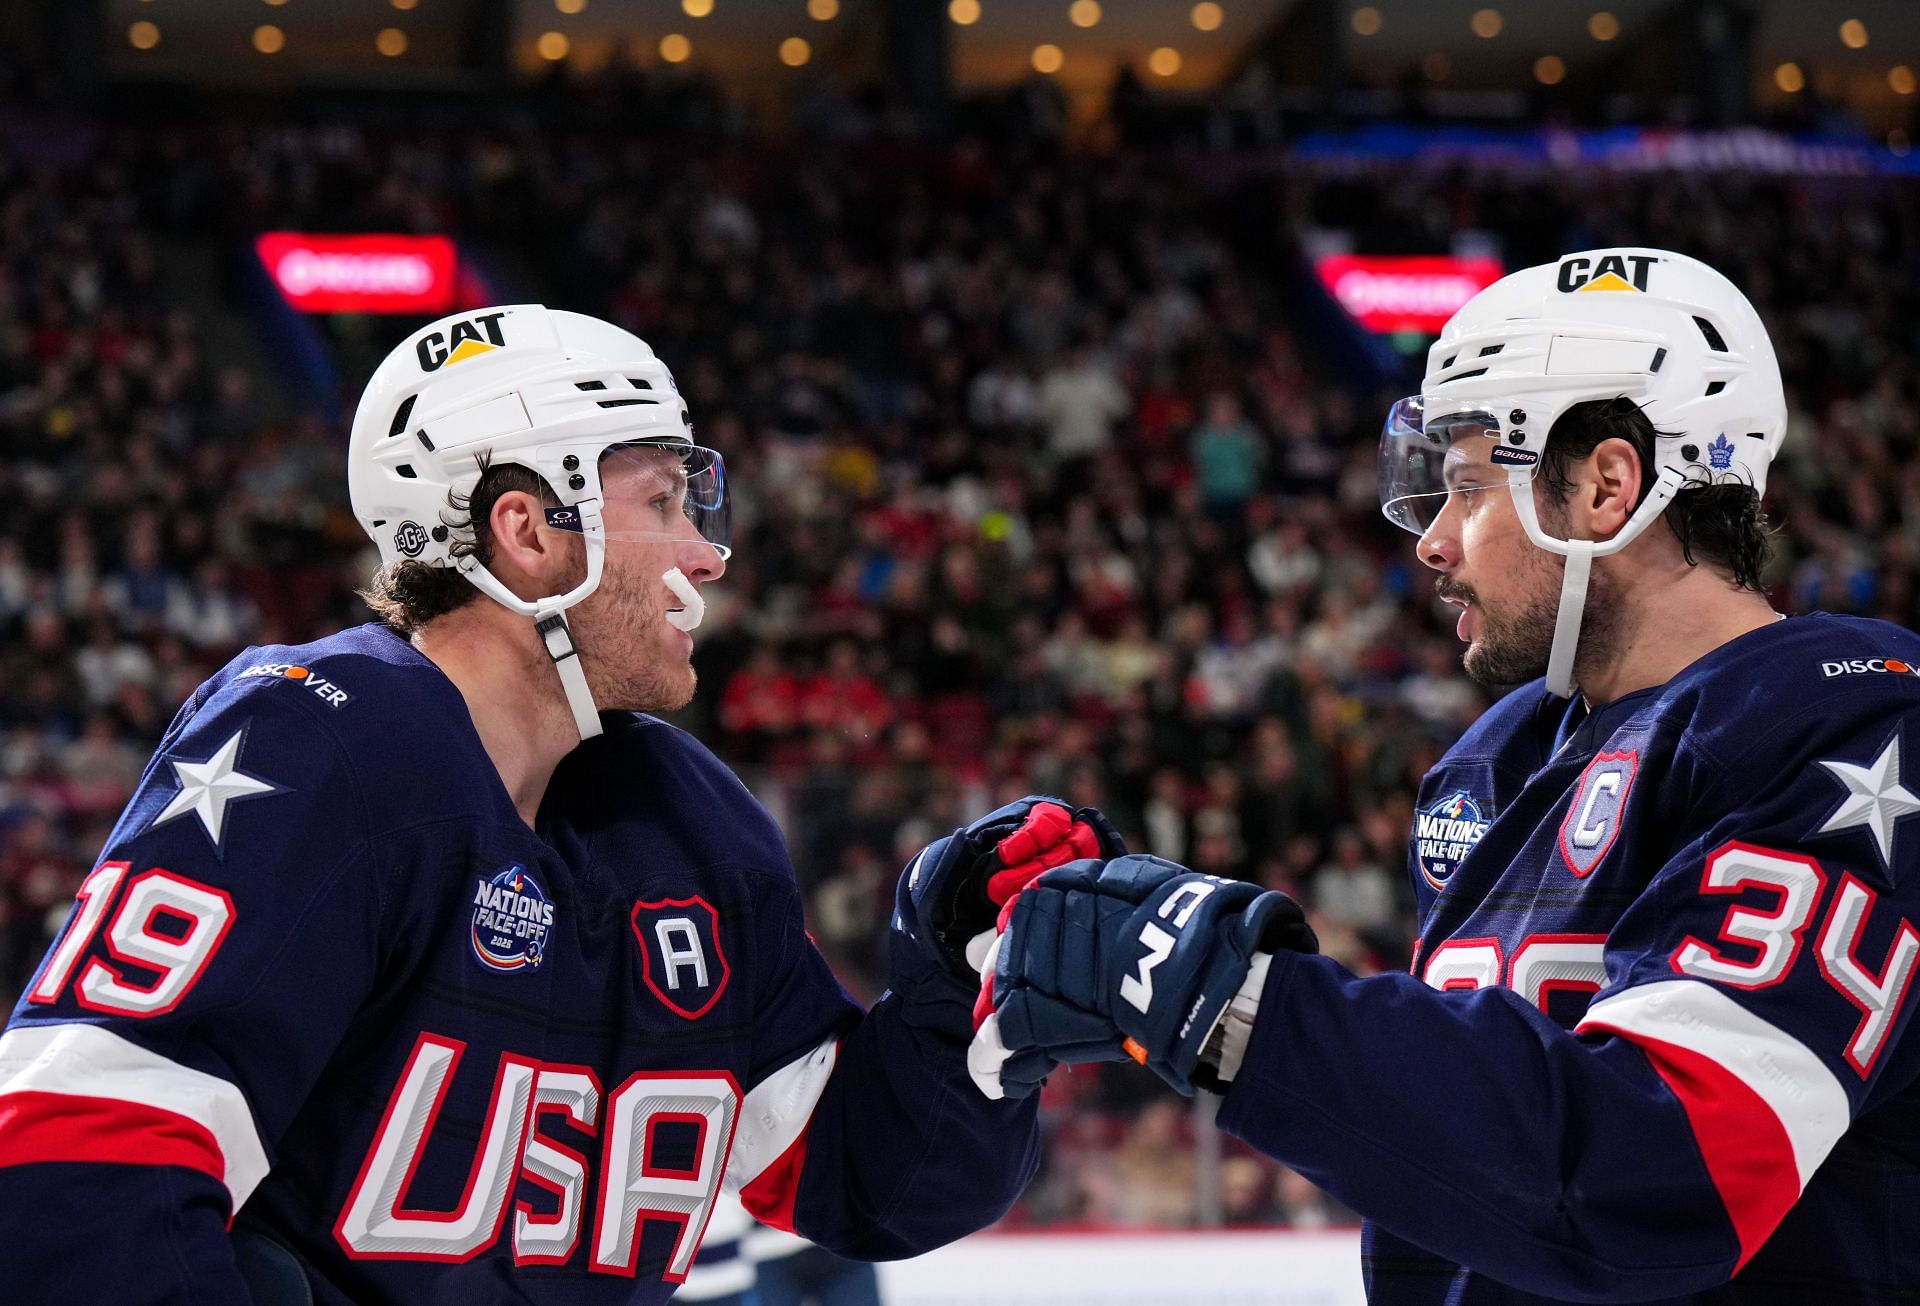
863 1131
214 957
1755 997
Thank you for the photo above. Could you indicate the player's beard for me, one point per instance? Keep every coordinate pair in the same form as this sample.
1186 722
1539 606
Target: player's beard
1515 640
634 660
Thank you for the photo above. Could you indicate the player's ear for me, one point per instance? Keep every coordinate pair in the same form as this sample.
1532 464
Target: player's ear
1607 489
530 559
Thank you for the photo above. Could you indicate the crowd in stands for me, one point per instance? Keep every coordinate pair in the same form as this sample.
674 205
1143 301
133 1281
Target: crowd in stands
1042 483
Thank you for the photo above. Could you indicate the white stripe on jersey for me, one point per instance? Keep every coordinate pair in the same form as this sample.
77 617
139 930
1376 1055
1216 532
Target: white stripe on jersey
767 1243
1782 1071
728 1277
775 1113
705 1282
79 1060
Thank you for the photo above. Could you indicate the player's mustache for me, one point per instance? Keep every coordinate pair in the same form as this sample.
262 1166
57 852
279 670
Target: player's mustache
1448 588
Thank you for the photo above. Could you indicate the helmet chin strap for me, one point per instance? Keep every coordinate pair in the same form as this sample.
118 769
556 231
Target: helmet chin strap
549 617
558 640
1580 555
1566 624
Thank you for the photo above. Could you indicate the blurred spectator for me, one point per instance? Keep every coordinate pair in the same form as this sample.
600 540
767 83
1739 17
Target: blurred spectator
1227 456
1147 1181
1080 400
1301 1205
1352 891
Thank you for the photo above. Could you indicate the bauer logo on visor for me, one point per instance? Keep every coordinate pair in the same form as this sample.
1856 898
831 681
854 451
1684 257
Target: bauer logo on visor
1608 272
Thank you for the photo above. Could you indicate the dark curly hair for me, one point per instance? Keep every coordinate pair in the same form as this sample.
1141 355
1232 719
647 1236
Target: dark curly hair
408 595
1718 525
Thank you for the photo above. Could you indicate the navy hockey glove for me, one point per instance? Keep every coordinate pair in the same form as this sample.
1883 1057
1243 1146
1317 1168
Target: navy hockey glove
950 896
1136 948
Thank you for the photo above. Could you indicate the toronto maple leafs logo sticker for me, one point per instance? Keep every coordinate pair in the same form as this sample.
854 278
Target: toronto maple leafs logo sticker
1720 453
512 917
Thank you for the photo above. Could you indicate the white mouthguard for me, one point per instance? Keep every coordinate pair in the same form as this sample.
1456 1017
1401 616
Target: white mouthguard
696 607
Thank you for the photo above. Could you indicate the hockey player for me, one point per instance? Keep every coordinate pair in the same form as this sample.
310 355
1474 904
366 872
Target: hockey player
1657 1040
422 968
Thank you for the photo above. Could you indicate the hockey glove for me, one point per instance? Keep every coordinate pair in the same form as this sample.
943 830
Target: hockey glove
951 894
1135 949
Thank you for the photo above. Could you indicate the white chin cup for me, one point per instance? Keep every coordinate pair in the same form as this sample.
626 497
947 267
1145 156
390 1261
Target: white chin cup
696 607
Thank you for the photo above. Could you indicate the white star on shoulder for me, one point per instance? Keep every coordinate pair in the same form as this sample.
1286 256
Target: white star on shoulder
206 788
1875 797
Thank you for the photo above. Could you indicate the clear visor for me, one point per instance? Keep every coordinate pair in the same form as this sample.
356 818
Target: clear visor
1425 462
663 492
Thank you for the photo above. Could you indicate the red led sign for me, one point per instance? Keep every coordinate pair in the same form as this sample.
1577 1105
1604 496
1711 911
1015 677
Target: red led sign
362 274
1405 293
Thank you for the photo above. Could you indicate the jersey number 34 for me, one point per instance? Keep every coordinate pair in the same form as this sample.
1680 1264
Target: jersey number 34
1755 947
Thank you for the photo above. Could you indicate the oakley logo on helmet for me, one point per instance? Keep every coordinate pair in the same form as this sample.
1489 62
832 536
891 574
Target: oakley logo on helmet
1609 272
410 538
464 339
565 519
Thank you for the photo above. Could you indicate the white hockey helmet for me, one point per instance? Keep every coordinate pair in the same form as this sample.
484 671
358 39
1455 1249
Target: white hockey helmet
1661 329
553 391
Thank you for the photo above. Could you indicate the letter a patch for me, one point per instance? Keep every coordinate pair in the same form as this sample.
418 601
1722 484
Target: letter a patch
681 959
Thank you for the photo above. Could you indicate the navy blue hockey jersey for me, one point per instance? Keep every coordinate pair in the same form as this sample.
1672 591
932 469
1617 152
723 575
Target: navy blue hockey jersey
326 985
1656 1045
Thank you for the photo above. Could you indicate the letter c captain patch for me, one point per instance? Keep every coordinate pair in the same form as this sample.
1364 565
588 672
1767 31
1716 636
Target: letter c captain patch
680 955
512 918
1592 822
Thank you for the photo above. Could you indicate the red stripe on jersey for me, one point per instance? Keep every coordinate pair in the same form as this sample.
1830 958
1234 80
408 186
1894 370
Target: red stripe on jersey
36 1126
1745 1146
770 1197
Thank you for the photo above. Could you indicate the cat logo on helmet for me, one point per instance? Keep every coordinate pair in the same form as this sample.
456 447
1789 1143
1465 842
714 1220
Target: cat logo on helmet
410 538
463 340
1608 272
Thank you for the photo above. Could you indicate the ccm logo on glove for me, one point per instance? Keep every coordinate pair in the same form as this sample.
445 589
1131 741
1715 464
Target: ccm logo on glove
1137 989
